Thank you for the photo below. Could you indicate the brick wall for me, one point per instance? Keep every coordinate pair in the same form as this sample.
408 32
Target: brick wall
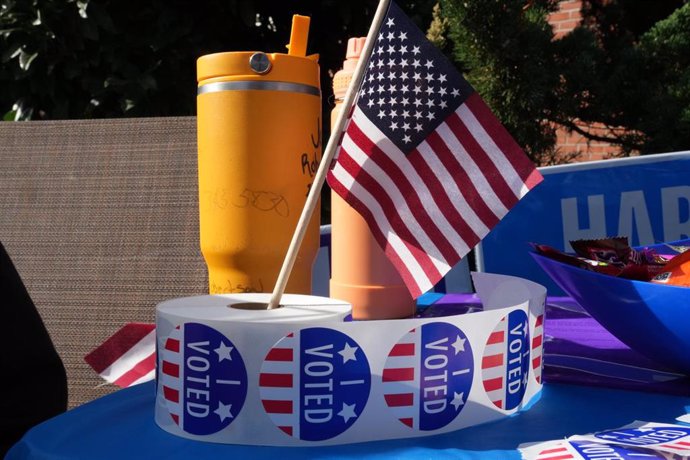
573 146
566 18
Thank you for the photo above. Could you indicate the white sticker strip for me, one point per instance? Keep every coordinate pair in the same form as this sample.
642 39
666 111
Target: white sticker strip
305 376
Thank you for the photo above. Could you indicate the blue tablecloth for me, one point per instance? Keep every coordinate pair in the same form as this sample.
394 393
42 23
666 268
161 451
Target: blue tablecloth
577 349
121 426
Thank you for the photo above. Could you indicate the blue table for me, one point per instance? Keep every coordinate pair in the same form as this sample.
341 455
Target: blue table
121 425
577 349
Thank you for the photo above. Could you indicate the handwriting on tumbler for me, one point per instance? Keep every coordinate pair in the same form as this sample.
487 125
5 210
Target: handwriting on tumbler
239 288
310 163
264 201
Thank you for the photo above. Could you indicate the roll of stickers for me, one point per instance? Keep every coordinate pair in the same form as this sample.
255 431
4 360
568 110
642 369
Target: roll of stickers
306 375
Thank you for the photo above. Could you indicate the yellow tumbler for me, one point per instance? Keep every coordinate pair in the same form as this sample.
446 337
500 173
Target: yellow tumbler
259 145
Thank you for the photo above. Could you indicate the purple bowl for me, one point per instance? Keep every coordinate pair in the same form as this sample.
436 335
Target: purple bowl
652 319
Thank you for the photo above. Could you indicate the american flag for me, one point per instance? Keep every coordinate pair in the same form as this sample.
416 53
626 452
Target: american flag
423 159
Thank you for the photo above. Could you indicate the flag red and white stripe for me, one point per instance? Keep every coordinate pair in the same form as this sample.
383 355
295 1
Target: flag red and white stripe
128 357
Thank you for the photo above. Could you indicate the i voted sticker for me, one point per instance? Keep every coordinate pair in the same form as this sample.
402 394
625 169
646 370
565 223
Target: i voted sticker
428 376
657 436
583 450
314 383
596 451
203 378
505 361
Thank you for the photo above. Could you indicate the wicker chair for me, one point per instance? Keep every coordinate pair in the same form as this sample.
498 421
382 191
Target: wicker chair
101 220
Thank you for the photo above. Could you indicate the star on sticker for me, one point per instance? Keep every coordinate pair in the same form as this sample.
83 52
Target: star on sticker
526 329
224 351
348 353
459 344
457 400
347 412
223 411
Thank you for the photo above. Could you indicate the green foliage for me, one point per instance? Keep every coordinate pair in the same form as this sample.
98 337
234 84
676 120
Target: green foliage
504 51
621 67
666 51
112 58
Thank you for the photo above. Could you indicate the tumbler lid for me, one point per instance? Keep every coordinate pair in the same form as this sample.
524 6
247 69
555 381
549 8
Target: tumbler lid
293 67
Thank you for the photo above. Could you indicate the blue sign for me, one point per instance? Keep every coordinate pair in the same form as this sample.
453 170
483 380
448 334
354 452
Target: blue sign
644 198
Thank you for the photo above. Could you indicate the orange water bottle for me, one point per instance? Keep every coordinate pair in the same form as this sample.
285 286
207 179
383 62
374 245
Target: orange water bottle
259 144
361 274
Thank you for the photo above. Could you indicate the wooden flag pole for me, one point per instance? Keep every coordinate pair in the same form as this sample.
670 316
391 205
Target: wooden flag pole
327 158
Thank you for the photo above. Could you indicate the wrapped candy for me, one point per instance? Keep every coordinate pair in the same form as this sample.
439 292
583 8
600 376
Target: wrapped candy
676 272
610 256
